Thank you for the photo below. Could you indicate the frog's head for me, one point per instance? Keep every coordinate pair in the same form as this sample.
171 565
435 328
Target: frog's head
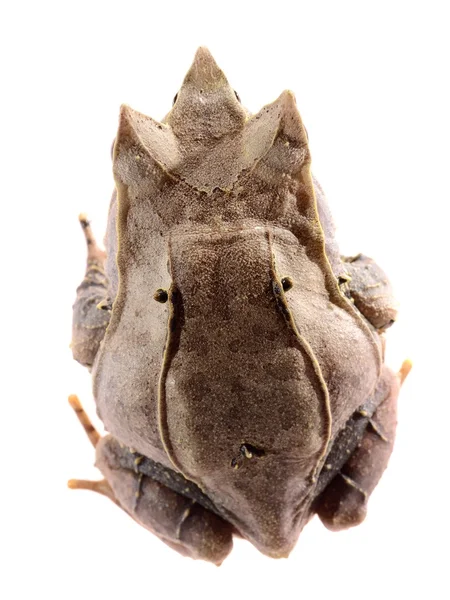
208 140
206 106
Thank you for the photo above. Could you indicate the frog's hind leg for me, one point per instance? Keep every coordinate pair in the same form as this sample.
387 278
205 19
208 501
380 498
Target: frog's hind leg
91 310
343 503
102 486
91 432
179 521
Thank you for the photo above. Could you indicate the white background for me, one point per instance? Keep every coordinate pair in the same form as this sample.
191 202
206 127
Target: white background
371 84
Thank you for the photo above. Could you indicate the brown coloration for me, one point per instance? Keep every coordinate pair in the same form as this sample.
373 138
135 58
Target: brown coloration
179 521
344 502
404 371
253 391
101 487
94 252
90 430
89 323
188 524
371 291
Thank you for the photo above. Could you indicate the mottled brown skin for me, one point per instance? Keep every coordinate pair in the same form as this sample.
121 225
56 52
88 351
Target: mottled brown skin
236 357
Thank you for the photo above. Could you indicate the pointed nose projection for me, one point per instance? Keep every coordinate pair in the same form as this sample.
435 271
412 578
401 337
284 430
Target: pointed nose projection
206 106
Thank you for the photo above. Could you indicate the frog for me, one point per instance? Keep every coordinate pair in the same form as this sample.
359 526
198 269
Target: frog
237 358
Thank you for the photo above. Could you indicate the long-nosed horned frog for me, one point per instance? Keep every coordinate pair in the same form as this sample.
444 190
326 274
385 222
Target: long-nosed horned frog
237 358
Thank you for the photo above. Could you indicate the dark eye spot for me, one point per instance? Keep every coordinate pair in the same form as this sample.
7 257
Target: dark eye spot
161 295
287 283
342 279
387 325
174 98
237 96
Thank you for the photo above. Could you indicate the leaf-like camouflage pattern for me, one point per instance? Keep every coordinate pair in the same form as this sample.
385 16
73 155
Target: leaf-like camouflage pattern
234 382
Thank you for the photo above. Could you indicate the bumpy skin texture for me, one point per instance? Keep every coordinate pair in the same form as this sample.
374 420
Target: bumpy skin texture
89 323
253 396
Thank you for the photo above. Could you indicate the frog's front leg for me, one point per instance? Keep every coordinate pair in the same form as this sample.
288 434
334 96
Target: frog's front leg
177 519
370 290
343 503
91 311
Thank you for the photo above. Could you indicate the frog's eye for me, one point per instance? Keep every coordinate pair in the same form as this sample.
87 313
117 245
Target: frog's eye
161 296
174 98
237 96
287 283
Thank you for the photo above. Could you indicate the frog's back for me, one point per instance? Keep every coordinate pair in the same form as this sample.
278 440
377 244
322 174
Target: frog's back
233 382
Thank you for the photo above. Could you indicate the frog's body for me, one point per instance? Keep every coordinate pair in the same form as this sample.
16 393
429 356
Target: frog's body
236 387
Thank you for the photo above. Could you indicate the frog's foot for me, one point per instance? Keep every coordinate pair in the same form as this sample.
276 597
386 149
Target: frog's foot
179 521
102 486
91 432
343 503
404 371
95 253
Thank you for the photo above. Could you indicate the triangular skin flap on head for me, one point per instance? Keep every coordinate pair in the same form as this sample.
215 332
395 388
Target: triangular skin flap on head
205 72
142 141
292 125
275 120
289 152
